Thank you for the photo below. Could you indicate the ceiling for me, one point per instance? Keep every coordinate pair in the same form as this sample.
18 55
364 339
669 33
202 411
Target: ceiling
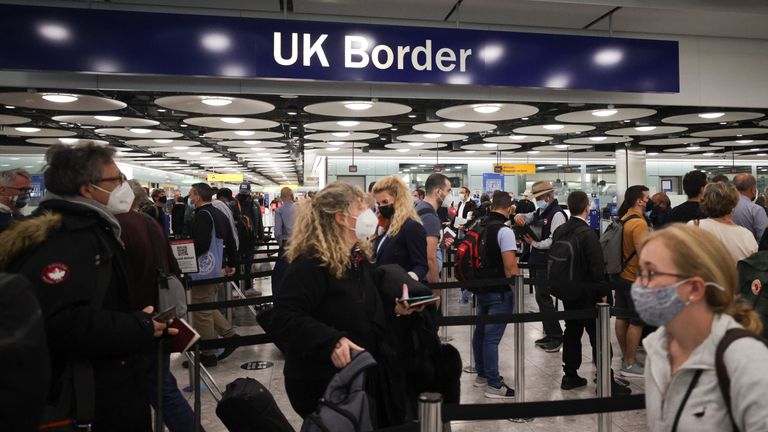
194 140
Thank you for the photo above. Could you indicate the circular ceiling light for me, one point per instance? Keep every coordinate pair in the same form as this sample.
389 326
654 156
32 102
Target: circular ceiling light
341 134
180 148
486 108
332 149
107 118
216 101
252 142
403 150
336 143
454 125
533 152
232 120
490 145
244 133
140 131
415 144
68 140
358 106
553 127
163 141
561 146
60 98
652 154
693 147
738 141
645 128
518 137
348 123
711 115
598 138
432 135
604 112
27 129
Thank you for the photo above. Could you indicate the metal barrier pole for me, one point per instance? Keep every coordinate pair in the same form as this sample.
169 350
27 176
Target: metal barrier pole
430 412
228 297
198 404
471 368
604 423
519 341
444 301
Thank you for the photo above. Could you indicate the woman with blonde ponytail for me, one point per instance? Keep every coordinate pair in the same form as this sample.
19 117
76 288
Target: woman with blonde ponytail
686 285
329 304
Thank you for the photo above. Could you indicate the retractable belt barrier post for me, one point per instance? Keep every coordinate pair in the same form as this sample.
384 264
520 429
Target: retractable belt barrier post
430 412
471 368
604 362
444 298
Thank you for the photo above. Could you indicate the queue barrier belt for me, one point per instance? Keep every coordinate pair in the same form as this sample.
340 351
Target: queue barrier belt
461 320
235 278
569 407
264 260
234 342
251 301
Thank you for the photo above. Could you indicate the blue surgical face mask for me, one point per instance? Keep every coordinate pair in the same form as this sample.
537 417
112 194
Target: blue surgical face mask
541 204
659 305
20 201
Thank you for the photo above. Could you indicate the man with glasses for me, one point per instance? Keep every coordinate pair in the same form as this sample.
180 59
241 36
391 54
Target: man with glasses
14 195
72 253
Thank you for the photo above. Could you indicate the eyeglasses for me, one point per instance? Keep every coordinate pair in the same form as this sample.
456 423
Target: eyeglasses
646 276
120 179
22 190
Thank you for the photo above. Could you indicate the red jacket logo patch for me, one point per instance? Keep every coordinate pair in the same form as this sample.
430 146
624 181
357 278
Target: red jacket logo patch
55 273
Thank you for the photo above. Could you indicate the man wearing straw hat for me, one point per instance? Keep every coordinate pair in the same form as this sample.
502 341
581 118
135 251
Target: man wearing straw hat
548 216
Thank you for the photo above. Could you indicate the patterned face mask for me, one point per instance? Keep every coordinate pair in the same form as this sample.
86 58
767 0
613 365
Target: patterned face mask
659 305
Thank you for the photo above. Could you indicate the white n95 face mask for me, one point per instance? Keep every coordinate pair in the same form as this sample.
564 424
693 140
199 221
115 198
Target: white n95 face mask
366 224
120 199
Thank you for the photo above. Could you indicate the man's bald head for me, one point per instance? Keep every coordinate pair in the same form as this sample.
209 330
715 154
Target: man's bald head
746 185
286 194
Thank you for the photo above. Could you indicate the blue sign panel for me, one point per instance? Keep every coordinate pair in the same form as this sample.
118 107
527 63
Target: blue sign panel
492 182
89 40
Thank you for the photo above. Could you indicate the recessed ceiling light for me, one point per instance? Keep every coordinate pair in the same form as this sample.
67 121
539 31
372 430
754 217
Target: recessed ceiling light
341 134
709 154
762 154
183 125
232 120
561 146
68 140
415 144
598 138
244 133
181 147
27 129
486 108
533 152
604 113
262 154
432 135
216 101
403 150
107 118
163 141
469 151
693 147
195 153
358 106
738 141
553 127
652 154
524 118
411 115
599 170
723 123
711 115
10 107
348 123
161 110
140 131
60 98
454 125
518 137
490 145
14 158
645 128
335 143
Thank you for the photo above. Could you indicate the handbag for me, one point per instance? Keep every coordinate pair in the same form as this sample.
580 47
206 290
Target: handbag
170 290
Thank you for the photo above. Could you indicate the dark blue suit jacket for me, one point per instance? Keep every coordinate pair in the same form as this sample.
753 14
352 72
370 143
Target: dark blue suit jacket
408 249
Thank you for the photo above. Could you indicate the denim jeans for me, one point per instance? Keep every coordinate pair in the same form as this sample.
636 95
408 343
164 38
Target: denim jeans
485 342
177 414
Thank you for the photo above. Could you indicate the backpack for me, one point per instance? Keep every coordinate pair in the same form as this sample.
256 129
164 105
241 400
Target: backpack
723 380
612 244
470 253
562 255
345 406
753 276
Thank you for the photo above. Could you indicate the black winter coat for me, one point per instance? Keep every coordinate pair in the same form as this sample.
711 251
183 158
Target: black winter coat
588 264
64 251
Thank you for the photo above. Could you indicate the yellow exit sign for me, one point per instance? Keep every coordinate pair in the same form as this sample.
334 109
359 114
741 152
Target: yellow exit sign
514 168
230 178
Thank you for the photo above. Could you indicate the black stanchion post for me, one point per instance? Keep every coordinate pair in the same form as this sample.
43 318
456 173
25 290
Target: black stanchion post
430 412
444 300
604 423
519 291
198 404
471 368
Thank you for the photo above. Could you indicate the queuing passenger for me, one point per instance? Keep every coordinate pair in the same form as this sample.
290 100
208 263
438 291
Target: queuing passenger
693 186
145 247
748 214
661 207
329 304
463 212
719 203
250 208
405 241
221 203
72 253
629 332
499 261
177 217
549 216
485 204
285 218
720 178
438 195
590 282
687 285
14 195
157 210
215 248
418 196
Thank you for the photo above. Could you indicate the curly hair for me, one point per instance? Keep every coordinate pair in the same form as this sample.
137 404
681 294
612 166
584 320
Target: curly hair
719 199
403 204
316 232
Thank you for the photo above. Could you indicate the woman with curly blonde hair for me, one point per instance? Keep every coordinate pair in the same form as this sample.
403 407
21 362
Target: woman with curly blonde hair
687 284
329 303
405 240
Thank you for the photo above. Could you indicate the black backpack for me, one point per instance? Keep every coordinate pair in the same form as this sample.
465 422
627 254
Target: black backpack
562 255
753 277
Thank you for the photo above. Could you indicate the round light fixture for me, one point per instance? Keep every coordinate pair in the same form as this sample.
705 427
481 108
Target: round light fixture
68 140
709 154
561 146
711 115
163 141
216 101
454 125
27 129
693 147
652 154
486 108
249 142
432 135
358 106
348 123
415 144
533 152
195 153
553 127
181 147
232 120
341 134
244 133
403 150
140 131
604 112
490 145
336 143
598 138
60 98
738 141
469 151
107 118
518 137
645 128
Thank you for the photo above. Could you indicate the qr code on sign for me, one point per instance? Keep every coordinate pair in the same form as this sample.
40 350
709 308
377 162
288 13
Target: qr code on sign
182 251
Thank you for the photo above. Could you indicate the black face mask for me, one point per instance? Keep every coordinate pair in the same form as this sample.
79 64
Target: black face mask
387 211
649 206
162 200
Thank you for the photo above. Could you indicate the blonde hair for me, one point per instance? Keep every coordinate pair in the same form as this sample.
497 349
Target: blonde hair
403 204
719 199
316 232
696 252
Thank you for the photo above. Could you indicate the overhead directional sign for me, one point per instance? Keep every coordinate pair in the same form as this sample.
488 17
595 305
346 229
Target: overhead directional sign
228 178
514 168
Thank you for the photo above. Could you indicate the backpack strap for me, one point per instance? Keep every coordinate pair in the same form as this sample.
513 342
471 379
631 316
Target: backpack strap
424 211
625 263
694 381
723 380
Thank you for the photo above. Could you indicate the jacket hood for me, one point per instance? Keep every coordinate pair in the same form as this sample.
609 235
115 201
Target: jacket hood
81 206
26 234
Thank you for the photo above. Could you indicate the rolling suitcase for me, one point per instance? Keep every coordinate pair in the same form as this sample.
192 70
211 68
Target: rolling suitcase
248 406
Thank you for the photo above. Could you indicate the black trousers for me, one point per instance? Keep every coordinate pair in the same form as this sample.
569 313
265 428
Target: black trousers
544 300
304 395
574 329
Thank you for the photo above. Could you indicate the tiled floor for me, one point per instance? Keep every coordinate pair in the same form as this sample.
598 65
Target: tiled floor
542 378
